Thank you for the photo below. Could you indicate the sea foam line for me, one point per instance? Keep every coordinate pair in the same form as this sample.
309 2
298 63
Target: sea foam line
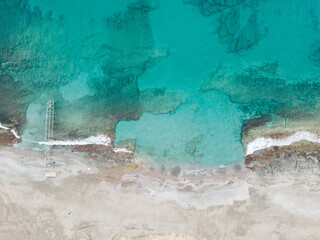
3 127
11 130
14 133
93 140
262 143
122 150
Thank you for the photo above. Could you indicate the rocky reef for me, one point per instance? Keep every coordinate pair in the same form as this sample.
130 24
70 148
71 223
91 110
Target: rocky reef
209 7
275 97
240 27
32 56
315 53
277 111
39 57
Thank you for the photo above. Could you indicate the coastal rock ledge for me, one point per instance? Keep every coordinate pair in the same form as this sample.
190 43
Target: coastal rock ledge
7 138
272 145
296 156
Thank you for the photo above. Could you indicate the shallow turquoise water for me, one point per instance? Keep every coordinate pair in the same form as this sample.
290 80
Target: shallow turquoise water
205 129
179 77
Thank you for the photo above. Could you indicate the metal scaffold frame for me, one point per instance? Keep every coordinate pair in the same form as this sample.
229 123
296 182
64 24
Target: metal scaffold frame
49 133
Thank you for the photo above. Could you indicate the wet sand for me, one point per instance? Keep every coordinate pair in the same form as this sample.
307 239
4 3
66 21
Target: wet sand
137 202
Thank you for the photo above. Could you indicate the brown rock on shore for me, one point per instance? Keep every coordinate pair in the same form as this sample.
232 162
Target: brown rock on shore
6 138
284 157
103 153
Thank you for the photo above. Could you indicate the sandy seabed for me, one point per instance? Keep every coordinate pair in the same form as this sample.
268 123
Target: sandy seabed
123 203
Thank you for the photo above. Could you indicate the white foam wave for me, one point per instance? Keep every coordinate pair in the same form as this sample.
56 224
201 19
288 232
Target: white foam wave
14 133
3 127
122 150
262 143
11 130
93 140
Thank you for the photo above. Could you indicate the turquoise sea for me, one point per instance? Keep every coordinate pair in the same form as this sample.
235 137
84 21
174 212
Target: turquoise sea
178 77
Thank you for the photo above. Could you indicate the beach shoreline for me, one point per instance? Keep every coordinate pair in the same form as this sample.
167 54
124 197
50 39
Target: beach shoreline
143 202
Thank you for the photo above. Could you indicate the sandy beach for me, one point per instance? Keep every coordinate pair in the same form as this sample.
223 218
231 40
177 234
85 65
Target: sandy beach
139 202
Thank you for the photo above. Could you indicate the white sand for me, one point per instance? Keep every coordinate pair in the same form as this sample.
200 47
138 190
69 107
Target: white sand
132 204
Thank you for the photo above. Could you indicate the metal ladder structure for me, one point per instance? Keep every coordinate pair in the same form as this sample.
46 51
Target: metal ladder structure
49 134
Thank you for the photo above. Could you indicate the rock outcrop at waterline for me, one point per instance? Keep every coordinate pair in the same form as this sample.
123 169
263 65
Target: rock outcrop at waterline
255 122
298 155
280 109
7 138
270 147
103 155
279 149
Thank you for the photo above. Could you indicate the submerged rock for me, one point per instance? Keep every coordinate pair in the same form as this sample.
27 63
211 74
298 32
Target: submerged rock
315 53
262 91
254 122
209 7
239 26
239 34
